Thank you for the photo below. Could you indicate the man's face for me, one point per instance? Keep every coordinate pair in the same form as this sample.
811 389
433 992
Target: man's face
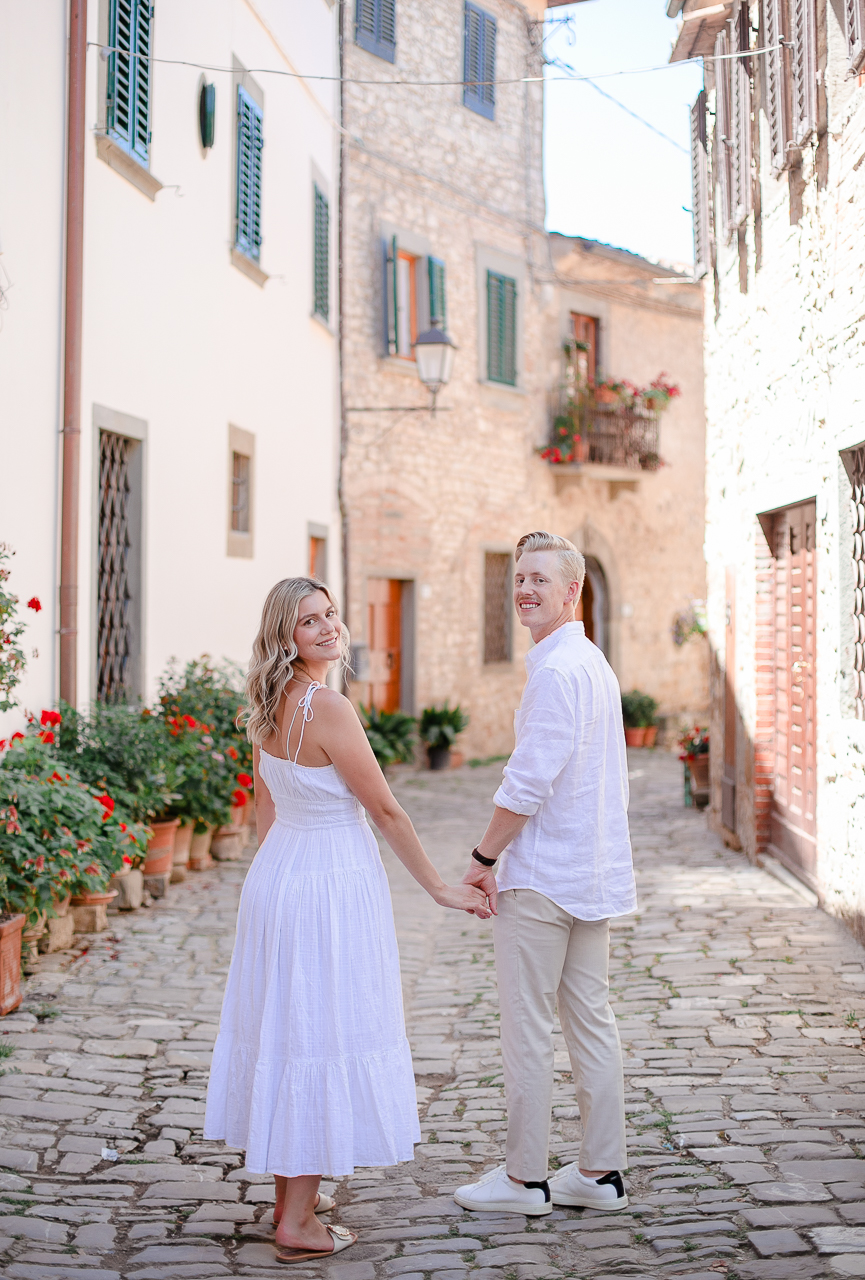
541 596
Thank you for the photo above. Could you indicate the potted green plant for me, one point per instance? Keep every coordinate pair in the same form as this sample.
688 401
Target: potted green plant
638 715
390 734
694 746
438 730
12 658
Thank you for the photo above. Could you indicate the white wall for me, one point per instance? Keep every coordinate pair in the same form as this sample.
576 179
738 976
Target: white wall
177 336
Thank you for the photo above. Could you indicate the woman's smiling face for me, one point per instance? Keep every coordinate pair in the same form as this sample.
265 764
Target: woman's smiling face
318 631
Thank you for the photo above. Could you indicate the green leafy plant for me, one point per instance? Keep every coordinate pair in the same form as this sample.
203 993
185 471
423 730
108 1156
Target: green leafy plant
440 726
638 709
691 622
58 835
12 657
390 734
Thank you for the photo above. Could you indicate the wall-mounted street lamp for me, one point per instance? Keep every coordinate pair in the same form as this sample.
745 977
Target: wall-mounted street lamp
434 354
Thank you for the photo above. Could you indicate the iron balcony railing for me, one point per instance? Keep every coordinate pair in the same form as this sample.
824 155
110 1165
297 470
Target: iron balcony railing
611 435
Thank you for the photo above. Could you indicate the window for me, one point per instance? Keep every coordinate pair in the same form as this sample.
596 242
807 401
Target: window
128 86
318 558
321 257
700 186
375 27
119 576
497 607
803 32
733 122
250 140
854 22
776 81
585 331
239 493
437 301
402 300
501 329
479 62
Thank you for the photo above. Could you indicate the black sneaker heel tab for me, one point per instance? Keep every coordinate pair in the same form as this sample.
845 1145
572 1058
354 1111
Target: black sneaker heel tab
544 1186
613 1178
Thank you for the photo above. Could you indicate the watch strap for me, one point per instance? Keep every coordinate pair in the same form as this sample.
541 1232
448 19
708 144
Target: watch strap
485 862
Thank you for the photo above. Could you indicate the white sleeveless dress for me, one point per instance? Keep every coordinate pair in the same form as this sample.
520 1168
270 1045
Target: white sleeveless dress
312 1071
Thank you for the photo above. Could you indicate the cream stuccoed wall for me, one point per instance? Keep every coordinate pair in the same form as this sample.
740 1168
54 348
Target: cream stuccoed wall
177 340
785 366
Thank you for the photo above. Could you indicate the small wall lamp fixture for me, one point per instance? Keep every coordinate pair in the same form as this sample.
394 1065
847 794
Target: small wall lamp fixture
207 114
434 354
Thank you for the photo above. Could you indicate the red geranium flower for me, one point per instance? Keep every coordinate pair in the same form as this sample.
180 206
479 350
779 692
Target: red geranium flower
50 718
239 798
40 862
107 804
127 860
123 826
2 744
46 736
34 604
231 752
17 737
191 722
244 779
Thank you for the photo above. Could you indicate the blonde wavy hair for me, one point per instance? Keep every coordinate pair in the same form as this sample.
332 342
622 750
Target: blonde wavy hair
274 654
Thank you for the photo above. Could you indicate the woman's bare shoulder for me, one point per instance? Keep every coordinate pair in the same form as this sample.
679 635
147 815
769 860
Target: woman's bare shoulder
334 707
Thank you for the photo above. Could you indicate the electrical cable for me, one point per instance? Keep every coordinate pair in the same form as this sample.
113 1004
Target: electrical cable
642 120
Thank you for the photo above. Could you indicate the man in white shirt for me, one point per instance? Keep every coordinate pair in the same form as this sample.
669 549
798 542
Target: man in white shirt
561 824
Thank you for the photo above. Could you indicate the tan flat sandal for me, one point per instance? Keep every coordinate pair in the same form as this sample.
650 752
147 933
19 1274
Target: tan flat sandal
324 1204
342 1238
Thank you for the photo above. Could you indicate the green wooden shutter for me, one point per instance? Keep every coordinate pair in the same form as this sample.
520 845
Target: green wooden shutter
250 141
128 100
437 300
321 257
479 61
375 27
501 329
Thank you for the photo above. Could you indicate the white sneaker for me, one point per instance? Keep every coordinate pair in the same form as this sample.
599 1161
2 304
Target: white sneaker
570 1187
496 1193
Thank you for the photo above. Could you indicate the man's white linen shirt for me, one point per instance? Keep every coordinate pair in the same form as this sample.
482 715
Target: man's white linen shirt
569 773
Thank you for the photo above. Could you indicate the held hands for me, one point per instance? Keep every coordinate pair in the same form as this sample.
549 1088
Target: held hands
465 897
483 878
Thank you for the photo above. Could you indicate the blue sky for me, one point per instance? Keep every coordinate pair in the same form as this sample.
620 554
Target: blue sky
608 177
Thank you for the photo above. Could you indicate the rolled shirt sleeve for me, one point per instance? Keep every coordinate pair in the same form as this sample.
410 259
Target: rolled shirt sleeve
545 743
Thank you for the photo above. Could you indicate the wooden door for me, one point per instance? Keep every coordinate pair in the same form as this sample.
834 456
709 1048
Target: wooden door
793 818
384 601
585 611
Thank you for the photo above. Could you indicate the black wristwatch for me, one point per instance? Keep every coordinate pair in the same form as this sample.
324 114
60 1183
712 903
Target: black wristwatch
485 862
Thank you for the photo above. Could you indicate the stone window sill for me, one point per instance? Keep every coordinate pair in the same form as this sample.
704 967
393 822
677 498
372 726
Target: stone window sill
129 168
249 268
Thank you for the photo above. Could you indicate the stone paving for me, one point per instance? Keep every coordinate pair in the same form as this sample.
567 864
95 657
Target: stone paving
737 1003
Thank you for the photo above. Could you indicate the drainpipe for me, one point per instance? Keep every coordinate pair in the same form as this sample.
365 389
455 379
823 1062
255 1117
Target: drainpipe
343 420
72 351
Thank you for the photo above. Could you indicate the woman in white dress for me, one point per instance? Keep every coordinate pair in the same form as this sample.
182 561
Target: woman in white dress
312 1071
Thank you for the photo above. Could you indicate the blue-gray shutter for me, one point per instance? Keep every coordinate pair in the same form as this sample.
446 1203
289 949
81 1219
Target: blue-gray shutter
321 256
437 300
479 61
501 329
128 99
375 27
250 141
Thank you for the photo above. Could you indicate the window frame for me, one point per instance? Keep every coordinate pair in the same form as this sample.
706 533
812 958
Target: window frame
248 241
381 40
240 543
140 71
506 656
321 255
479 90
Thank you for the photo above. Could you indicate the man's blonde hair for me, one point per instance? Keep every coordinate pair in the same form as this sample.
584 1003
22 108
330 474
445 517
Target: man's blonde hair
571 563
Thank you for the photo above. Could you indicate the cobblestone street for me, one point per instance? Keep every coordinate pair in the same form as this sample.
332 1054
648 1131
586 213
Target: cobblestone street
745 1084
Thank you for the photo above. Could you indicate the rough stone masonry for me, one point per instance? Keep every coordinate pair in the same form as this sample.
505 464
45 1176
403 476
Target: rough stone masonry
738 1004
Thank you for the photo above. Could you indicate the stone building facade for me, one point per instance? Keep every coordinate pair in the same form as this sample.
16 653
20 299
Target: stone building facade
443 220
779 145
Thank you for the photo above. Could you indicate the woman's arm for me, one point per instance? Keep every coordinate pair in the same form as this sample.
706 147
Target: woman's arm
341 735
265 810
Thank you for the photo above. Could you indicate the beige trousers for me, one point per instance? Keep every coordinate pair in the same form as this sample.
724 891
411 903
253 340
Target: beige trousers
542 953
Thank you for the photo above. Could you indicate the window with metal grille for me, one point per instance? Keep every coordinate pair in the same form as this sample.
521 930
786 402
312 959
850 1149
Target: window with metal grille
479 61
375 27
700 186
321 257
114 589
437 300
497 607
803 32
854 461
240 471
128 84
776 80
854 23
250 141
501 329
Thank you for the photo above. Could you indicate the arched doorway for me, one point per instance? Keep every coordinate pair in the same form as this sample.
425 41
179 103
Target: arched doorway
594 606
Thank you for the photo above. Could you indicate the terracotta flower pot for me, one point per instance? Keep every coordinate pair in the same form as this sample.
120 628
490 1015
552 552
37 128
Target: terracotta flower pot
439 757
651 735
93 898
238 815
160 847
635 737
603 395
699 766
199 849
10 963
182 843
